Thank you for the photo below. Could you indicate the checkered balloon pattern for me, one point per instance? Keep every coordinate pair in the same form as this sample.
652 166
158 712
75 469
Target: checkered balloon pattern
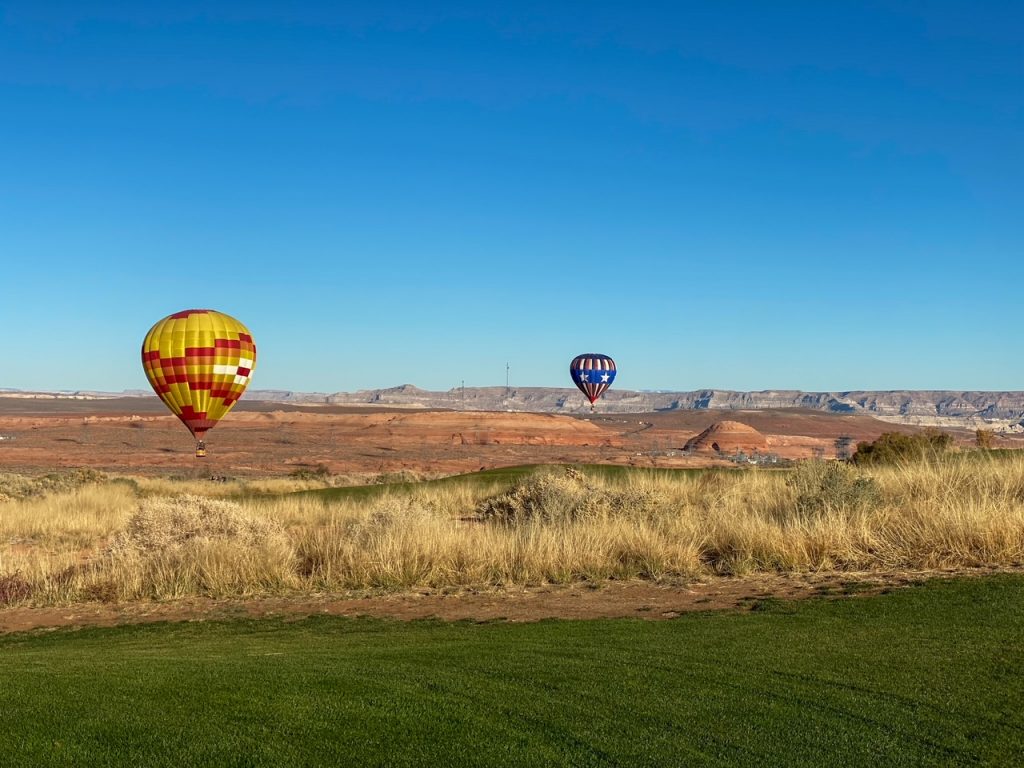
199 362
593 374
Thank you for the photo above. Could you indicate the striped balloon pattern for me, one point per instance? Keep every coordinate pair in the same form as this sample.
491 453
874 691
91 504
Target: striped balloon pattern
199 362
593 374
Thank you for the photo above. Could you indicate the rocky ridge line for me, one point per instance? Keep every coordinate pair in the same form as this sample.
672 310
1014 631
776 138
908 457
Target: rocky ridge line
1000 410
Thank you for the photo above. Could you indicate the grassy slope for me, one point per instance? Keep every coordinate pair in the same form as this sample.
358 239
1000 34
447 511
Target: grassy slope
495 480
930 675
501 476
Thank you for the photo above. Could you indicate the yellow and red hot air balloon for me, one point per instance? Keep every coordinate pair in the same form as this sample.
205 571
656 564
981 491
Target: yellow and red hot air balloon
199 362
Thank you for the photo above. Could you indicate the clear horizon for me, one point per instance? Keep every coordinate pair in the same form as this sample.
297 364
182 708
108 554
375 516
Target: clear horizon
148 391
805 197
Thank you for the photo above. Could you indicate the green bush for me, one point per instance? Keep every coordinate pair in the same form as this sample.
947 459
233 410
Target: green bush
895 447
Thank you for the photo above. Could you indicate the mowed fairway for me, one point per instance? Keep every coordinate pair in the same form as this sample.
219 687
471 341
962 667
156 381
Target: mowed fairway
926 675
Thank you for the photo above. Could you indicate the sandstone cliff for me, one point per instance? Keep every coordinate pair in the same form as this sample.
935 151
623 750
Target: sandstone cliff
1003 411
919 407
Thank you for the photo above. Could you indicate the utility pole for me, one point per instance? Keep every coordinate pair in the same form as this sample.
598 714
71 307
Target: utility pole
506 386
463 394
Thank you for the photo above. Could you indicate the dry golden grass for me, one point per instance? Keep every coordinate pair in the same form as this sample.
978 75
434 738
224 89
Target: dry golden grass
266 486
114 541
163 486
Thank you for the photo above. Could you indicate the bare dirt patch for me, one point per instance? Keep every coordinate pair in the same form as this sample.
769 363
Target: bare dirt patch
635 599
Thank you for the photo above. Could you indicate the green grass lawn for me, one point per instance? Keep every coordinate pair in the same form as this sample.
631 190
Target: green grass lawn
930 675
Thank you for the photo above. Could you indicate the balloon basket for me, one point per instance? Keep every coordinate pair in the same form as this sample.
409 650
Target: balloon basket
200 450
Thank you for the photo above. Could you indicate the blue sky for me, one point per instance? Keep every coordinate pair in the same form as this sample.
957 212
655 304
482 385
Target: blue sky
732 195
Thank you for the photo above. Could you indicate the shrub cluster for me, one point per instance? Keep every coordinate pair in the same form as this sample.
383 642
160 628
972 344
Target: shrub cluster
895 447
826 486
162 524
192 545
315 472
985 439
566 497
14 588
22 486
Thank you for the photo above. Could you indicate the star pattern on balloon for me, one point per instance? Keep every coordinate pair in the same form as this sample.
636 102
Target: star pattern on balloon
592 373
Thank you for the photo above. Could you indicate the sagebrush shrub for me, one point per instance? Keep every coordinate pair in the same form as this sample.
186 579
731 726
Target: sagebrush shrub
14 588
568 496
896 447
14 486
193 545
545 496
165 523
833 485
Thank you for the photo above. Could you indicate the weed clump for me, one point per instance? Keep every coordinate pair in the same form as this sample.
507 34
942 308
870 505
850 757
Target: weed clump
196 545
14 486
896 448
546 496
162 524
14 588
567 497
831 486
311 472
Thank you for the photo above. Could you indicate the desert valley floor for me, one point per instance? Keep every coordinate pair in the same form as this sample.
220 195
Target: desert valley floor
259 438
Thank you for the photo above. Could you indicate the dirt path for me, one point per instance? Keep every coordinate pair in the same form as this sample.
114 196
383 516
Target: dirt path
634 599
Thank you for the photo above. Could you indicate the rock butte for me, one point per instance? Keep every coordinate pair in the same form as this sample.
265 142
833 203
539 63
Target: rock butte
728 437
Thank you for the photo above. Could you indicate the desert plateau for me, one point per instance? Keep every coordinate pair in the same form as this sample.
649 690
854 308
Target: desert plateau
130 434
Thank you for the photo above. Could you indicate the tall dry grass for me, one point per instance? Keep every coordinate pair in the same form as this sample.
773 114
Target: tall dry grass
111 541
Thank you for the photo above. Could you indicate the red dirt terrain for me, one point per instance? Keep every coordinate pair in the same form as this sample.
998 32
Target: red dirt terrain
728 437
137 435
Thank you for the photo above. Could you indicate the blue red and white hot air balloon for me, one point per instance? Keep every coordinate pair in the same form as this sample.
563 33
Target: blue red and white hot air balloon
593 373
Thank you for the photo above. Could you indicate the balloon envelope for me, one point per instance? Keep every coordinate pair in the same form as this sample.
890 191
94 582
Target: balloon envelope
593 373
199 362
